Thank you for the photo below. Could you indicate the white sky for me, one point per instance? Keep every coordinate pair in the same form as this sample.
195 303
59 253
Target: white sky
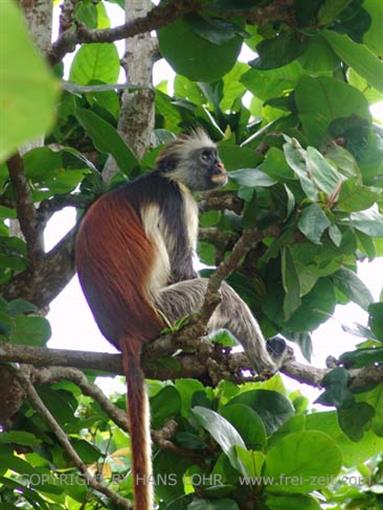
73 326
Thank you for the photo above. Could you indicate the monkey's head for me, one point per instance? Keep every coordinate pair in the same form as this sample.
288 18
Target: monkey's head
192 159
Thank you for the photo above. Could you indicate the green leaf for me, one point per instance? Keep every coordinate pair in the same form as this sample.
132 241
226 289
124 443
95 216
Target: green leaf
232 86
276 167
216 31
279 51
107 139
165 405
313 222
370 222
272 407
296 159
330 10
356 197
362 357
373 37
354 419
336 391
292 502
17 306
235 158
34 331
187 89
305 457
323 173
28 90
97 62
19 437
376 319
357 56
267 84
248 423
211 504
318 58
252 177
290 281
195 57
349 283
315 308
222 431
335 235
352 453
322 100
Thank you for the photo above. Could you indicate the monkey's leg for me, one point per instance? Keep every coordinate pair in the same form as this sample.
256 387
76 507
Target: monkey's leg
232 313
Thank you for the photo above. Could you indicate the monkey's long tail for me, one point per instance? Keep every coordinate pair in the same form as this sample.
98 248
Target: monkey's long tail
139 420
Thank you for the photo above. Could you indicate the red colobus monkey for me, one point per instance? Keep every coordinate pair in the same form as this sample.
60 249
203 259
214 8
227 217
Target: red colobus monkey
134 260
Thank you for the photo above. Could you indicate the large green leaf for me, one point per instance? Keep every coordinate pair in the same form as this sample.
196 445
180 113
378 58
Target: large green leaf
222 431
28 330
290 280
322 100
270 83
194 56
349 283
370 222
279 51
330 10
355 197
272 407
373 37
352 453
107 139
97 62
251 177
313 222
165 405
292 502
248 423
28 91
357 56
302 462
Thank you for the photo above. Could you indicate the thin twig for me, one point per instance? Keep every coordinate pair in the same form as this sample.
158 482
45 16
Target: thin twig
26 212
159 16
51 375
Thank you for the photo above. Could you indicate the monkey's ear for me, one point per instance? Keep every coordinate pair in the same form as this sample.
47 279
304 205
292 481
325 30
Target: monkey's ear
167 163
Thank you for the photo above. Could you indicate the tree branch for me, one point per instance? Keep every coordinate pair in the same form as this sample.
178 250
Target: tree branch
234 366
48 277
159 16
26 212
62 438
52 375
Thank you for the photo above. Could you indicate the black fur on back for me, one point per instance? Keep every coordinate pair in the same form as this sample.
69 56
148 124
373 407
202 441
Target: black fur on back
153 188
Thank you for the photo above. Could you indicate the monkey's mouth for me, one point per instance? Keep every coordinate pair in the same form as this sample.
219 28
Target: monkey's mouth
220 179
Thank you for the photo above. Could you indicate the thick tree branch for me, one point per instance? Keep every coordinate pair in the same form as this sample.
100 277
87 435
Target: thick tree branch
26 212
218 200
159 16
62 438
234 366
48 277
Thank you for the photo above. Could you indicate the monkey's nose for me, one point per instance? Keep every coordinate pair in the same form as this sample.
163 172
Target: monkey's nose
219 174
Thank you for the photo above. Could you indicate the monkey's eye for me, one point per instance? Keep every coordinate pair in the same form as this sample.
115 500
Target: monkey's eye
205 156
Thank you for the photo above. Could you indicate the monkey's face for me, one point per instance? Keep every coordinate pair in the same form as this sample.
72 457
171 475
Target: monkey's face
206 170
